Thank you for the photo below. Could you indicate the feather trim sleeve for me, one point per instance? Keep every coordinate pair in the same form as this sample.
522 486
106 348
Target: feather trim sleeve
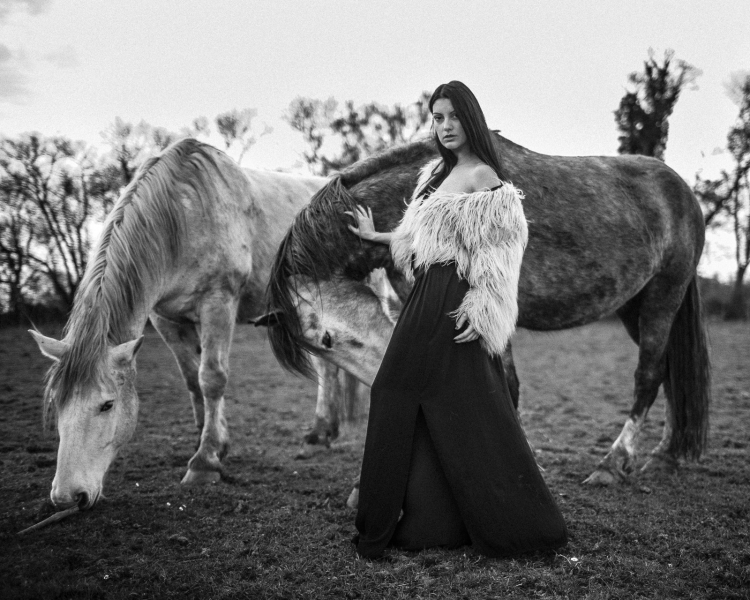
493 234
485 234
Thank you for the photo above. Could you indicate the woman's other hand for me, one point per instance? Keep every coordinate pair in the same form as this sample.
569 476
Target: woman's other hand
363 216
469 334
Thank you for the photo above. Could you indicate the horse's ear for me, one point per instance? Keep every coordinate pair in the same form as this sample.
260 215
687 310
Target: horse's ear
125 353
49 346
271 319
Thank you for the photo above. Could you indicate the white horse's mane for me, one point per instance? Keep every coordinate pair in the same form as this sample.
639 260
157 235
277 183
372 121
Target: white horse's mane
142 237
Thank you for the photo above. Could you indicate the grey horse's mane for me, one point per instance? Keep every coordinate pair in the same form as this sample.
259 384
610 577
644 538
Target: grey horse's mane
307 244
310 246
142 238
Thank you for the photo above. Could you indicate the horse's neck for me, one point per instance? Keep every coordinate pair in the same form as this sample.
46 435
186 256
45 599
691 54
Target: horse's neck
94 313
134 324
134 321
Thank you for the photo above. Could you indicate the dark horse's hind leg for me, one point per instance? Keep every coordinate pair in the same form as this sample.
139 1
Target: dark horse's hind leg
648 319
629 316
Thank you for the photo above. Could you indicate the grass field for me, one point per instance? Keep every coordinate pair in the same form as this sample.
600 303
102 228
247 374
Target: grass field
279 528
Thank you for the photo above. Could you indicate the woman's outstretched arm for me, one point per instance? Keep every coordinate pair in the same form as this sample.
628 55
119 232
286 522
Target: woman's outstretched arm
366 229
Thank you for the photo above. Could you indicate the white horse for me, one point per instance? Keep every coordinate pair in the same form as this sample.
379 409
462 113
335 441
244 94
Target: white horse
191 238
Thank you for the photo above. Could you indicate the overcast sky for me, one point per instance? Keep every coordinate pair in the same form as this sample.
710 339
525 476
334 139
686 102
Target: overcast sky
548 74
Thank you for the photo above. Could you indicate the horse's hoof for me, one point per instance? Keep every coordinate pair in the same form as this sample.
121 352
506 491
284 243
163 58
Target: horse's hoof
317 439
223 451
353 500
310 439
307 451
603 477
660 463
200 477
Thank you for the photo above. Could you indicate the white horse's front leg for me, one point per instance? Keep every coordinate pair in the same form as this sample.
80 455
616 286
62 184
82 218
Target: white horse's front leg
183 341
217 328
326 426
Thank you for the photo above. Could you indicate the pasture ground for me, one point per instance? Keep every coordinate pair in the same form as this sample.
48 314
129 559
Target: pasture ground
279 528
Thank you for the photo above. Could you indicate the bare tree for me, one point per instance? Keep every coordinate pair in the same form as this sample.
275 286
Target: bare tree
357 132
312 117
131 144
17 270
738 144
726 200
643 115
237 129
54 191
200 127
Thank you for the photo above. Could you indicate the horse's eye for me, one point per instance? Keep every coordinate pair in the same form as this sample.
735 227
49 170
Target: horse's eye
106 406
327 341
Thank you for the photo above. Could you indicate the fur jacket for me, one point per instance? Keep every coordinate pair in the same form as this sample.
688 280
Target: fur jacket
485 234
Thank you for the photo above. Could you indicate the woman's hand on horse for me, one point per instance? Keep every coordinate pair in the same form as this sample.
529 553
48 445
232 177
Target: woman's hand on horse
363 216
469 334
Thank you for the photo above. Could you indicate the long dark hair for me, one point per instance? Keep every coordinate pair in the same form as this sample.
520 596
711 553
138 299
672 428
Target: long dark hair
478 135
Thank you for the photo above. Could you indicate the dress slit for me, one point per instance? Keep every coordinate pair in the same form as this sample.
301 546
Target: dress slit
431 514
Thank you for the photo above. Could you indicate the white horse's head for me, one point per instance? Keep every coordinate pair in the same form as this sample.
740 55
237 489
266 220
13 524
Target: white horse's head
95 418
346 322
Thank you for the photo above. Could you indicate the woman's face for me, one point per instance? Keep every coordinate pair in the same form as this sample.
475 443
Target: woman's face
449 130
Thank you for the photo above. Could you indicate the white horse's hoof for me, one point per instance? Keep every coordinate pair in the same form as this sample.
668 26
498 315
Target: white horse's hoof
200 477
314 438
602 477
353 500
660 463
308 451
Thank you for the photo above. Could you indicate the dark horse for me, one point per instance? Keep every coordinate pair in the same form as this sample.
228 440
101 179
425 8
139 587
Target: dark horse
606 234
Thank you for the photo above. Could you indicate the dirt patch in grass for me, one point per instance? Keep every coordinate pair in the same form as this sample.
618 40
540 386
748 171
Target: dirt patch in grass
279 528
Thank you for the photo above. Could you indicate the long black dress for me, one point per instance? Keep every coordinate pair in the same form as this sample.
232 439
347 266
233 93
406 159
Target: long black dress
444 442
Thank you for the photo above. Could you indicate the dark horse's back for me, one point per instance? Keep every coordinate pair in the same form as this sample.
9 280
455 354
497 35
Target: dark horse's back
600 228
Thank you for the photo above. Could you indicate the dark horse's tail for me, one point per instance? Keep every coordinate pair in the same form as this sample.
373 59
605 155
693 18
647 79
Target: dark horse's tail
687 379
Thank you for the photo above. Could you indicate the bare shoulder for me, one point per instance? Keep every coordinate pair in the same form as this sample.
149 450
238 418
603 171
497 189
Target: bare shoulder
483 177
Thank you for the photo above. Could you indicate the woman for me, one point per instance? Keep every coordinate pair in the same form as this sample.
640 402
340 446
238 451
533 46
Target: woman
446 462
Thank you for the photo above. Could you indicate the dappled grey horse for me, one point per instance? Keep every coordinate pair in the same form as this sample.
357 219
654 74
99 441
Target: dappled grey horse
606 234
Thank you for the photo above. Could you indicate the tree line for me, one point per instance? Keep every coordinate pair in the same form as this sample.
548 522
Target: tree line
54 192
